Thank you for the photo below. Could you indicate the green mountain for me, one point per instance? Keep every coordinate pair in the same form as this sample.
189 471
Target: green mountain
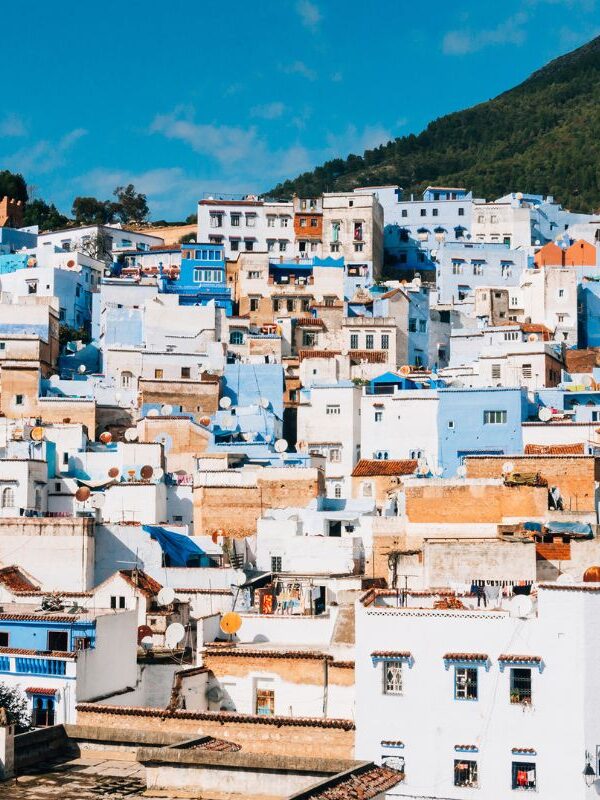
542 137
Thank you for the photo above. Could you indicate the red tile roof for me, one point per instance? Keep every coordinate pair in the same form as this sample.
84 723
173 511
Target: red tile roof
511 658
391 654
578 448
372 356
528 750
374 467
307 322
216 746
466 657
243 653
21 651
363 783
218 716
40 690
142 581
15 580
302 354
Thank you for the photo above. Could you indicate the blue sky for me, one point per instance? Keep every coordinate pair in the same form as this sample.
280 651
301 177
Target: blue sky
185 98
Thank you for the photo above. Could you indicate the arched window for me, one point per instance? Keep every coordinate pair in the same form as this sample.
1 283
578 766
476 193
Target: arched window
337 492
236 337
8 497
126 379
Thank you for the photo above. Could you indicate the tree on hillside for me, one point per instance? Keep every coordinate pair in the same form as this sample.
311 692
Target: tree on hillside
13 185
90 211
131 206
16 707
45 215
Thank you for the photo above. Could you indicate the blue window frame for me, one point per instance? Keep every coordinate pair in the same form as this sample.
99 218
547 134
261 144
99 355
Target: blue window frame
466 683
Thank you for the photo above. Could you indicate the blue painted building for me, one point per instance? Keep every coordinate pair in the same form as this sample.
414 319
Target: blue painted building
588 313
12 239
479 421
463 266
201 277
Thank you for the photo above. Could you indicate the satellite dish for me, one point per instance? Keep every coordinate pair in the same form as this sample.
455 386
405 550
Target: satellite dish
520 606
281 445
205 421
153 412
544 414
264 402
158 473
565 579
131 434
98 500
225 402
81 368
215 694
146 472
215 537
82 494
106 437
508 467
462 471
345 353
166 410
118 397
586 380
404 370
231 622
533 337
422 466
143 632
174 634
439 471
166 596
37 433
434 376
113 472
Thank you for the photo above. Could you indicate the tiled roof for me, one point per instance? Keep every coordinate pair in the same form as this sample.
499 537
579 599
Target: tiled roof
142 581
363 783
307 322
205 591
15 580
21 651
302 354
217 746
40 690
41 617
243 653
470 747
529 750
391 654
218 716
578 448
392 743
465 657
374 467
518 658
372 356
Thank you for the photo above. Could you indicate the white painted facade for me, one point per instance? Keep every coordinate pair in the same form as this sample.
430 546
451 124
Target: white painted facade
118 239
424 724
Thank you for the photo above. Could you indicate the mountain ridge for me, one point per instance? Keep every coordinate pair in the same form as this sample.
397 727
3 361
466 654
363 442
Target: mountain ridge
541 136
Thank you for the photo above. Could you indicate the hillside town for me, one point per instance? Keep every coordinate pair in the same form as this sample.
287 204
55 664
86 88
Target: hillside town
301 500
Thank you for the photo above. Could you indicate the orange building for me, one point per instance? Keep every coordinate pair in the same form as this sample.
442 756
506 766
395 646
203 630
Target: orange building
580 254
550 255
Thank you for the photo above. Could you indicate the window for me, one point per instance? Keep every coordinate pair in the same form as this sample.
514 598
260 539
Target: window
309 339
385 341
283 245
404 213
235 245
465 773
354 341
332 410
8 497
58 640
477 268
337 493
32 288
3 638
251 220
511 336
254 274
423 212
236 337
451 424
270 245
117 601
335 455
520 685
283 221
335 248
465 683
412 325
526 371
42 712
290 305
235 220
158 374
254 304
82 643
496 372
302 222
185 372
270 221
216 220
378 417
434 212
369 341
561 293
523 775
457 267
422 326
358 248
392 677
494 417
265 702
461 212
275 563
18 399
249 245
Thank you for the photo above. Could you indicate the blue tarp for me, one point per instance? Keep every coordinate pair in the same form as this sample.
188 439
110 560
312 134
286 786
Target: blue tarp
180 550
575 528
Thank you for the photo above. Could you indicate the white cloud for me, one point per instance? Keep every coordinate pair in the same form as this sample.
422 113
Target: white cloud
300 68
268 110
12 125
511 31
44 156
309 13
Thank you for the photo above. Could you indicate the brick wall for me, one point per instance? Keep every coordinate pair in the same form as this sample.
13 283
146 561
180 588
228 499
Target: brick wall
295 670
197 397
277 737
575 476
466 502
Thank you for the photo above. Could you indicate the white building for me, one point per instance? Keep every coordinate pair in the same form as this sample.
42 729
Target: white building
472 702
115 239
328 424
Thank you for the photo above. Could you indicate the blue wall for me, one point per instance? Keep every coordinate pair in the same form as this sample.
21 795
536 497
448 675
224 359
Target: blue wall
201 277
34 635
461 427
588 317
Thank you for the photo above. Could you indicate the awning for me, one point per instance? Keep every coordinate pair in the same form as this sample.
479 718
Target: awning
95 484
40 690
179 549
